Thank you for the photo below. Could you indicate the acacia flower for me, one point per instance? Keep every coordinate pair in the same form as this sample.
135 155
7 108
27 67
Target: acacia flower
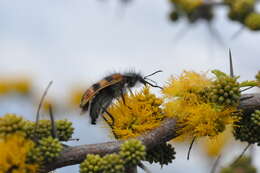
14 149
140 113
214 146
189 103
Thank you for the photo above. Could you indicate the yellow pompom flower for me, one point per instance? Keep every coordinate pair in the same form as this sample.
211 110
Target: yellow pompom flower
214 146
140 113
21 85
188 102
75 96
187 82
3 87
14 150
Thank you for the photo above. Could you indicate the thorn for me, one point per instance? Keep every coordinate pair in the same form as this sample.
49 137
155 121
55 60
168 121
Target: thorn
243 152
247 88
40 105
192 142
246 98
53 125
213 170
231 63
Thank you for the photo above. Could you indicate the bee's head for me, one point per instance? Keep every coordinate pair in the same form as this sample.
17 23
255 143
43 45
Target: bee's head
133 78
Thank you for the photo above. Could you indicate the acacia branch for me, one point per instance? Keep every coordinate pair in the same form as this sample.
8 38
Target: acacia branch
165 132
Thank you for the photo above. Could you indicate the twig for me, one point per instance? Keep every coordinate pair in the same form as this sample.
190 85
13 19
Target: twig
247 88
53 125
40 105
243 152
191 144
141 165
214 167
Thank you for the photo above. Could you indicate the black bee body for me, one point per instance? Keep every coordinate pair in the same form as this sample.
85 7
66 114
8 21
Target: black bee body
101 94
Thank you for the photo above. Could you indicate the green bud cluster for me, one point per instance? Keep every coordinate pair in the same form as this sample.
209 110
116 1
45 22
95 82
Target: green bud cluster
252 21
162 154
244 12
112 163
225 91
255 118
92 164
11 123
64 129
49 148
248 128
240 9
132 152
34 155
43 129
191 9
244 164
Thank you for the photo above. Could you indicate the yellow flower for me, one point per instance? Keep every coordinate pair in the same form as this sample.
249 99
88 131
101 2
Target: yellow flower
140 113
75 96
189 104
14 149
21 85
187 82
214 146
3 87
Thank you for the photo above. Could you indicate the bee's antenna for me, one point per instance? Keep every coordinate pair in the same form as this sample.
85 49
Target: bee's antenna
153 73
156 86
151 81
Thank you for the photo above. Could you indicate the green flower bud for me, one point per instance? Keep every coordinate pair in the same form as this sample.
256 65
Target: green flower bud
162 154
92 164
252 21
132 152
11 123
112 163
64 129
50 148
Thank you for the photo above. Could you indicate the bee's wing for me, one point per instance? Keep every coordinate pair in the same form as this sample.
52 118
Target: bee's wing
92 91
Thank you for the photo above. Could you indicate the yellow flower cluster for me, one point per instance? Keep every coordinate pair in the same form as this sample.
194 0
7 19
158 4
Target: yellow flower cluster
214 146
189 104
140 113
14 149
21 85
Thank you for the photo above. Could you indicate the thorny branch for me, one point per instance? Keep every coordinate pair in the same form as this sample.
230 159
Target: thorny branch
167 131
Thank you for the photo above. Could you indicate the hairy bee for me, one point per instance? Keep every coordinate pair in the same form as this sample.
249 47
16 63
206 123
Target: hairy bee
101 94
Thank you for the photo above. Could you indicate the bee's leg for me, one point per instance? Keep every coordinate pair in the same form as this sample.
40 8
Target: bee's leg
130 91
110 116
122 96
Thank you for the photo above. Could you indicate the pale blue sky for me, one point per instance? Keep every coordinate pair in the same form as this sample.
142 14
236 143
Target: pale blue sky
82 40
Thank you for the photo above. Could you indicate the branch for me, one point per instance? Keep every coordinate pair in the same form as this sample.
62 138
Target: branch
165 132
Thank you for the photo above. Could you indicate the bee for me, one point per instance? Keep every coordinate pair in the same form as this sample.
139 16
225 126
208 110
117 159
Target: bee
101 94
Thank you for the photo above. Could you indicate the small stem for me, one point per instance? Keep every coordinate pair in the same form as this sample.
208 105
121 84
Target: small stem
141 165
247 88
53 125
243 152
213 170
192 142
40 105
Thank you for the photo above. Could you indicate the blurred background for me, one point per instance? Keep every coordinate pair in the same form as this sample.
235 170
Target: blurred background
76 43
